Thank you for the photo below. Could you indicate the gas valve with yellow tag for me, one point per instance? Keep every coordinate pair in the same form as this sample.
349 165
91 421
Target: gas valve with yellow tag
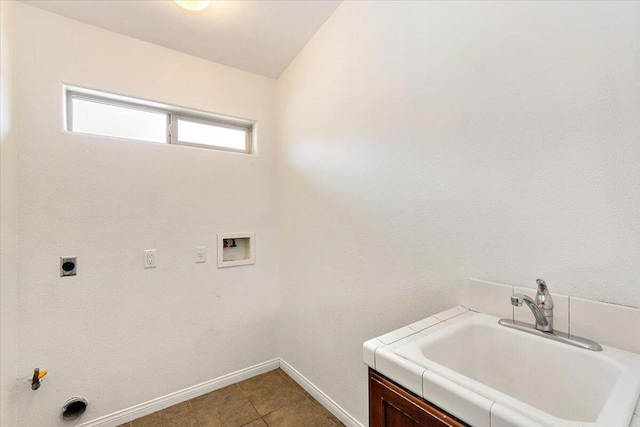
38 375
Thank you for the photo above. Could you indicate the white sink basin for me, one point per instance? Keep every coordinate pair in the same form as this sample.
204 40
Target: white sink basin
528 378
564 381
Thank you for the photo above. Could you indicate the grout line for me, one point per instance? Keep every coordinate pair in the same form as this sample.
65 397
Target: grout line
569 316
247 397
252 405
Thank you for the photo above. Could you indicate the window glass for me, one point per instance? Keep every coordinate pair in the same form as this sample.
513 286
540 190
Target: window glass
99 118
209 134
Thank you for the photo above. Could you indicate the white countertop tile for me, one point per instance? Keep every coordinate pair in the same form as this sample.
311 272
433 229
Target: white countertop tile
434 328
396 335
425 323
369 351
447 314
408 374
459 401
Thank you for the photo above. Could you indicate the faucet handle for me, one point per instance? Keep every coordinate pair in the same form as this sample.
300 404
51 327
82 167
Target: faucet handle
543 296
542 285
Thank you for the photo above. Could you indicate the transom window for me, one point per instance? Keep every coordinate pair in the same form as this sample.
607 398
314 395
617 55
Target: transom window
98 113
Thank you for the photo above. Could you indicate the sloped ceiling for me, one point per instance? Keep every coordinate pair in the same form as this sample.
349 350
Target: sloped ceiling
261 37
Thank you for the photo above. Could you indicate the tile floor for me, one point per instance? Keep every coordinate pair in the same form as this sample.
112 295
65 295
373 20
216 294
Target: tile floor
272 399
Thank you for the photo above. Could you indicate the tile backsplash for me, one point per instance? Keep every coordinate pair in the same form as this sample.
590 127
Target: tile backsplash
608 324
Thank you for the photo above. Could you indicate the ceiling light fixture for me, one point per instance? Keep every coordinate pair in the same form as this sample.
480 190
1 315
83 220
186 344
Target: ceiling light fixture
193 5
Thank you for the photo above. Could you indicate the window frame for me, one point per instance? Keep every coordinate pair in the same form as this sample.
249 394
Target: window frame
175 135
172 113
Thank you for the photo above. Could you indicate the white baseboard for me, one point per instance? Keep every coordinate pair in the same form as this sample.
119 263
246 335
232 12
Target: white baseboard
320 396
146 408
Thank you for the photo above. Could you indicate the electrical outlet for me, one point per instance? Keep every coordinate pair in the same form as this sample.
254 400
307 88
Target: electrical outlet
150 258
68 266
201 254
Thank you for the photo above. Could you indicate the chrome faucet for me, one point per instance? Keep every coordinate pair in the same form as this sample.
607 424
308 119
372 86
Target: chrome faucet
542 307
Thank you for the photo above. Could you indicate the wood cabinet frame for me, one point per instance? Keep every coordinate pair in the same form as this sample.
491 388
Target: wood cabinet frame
390 405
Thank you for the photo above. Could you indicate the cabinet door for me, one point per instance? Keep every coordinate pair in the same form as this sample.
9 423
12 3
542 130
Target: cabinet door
392 406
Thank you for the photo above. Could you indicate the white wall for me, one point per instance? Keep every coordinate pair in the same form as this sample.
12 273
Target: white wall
117 334
8 222
423 143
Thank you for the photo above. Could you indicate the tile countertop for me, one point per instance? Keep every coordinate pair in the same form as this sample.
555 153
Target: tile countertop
467 405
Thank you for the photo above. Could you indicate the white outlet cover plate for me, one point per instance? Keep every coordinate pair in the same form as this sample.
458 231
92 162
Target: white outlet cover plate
150 258
201 254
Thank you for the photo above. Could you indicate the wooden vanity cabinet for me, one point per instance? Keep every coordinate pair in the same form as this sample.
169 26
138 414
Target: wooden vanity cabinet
390 405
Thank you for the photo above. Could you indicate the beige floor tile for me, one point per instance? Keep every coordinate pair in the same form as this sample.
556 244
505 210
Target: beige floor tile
260 380
237 413
217 398
270 391
268 399
151 420
309 396
229 408
159 418
207 417
291 381
324 411
183 420
285 375
303 413
256 423
273 395
176 410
